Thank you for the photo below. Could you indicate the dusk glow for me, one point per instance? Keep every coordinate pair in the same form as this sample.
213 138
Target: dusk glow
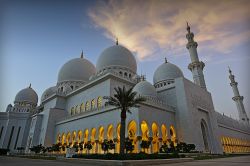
38 37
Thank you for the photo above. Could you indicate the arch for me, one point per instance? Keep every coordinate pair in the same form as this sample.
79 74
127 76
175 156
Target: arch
72 112
99 102
73 137
101 139
204 131
132 127
110 132
79 136
82 107
164 133
77 109
144 130
63 138
101 134
93 104
87 106
68 137
155 133
118 129
86 136
92 139
58 138
173 134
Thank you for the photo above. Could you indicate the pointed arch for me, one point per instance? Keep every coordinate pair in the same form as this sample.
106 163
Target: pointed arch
155 134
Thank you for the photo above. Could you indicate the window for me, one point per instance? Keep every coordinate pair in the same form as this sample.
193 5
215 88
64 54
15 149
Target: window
87 106
72 111
93 104
125 74
82 107
99 102
71 87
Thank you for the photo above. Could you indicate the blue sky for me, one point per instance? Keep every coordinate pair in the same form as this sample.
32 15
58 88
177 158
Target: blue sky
38 37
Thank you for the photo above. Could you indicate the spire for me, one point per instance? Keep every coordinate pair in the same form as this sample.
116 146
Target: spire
30 85
82 54
117 41
229 70
188 28
238 99
166 61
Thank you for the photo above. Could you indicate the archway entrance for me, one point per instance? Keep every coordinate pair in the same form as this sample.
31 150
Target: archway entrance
204 131
132 134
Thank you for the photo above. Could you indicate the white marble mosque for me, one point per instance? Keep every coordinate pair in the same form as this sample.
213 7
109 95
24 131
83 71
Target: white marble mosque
74 110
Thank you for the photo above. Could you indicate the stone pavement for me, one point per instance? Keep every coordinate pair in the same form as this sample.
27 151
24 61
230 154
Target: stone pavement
233 161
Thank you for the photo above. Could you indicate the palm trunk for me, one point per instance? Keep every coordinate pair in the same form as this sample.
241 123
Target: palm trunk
122 131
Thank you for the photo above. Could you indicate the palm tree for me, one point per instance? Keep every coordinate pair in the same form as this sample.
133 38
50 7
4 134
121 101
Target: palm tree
124 100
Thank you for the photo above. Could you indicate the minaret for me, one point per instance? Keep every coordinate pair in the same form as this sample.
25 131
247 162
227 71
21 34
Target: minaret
196 66
238 99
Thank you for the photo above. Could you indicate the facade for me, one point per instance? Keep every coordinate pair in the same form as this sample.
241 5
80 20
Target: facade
74 110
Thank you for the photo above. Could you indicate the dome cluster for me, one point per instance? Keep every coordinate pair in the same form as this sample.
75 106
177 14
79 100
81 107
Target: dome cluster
76 72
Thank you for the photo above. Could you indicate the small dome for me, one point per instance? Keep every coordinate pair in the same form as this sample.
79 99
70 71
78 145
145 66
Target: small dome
167 71
27 95
78 69
145 88
116 56
48 92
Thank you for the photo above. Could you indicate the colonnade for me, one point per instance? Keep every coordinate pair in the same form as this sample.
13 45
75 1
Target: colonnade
154 133
235 145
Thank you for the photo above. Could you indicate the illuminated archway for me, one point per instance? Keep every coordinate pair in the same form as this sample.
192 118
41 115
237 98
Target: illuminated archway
164 133
101 139
73 137
118 128
155 133
145 133
79 136
58 138
63 139
99 102
93 133
86 136
87 106
93 104
110 132
173 135
82 107
132 127
68 138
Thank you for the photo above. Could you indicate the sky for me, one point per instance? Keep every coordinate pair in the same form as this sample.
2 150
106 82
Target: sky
38 37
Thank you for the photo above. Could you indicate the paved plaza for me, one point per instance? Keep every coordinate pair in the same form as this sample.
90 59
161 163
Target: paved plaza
233 161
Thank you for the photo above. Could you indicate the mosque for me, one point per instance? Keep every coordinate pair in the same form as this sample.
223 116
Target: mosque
175 109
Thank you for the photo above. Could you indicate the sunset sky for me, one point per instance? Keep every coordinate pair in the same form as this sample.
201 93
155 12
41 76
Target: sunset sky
38 37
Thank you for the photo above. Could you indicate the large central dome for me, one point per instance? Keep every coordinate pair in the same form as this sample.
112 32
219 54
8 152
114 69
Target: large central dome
78 69
118 56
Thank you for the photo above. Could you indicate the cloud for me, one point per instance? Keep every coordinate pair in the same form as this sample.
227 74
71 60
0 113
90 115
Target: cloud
153 28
